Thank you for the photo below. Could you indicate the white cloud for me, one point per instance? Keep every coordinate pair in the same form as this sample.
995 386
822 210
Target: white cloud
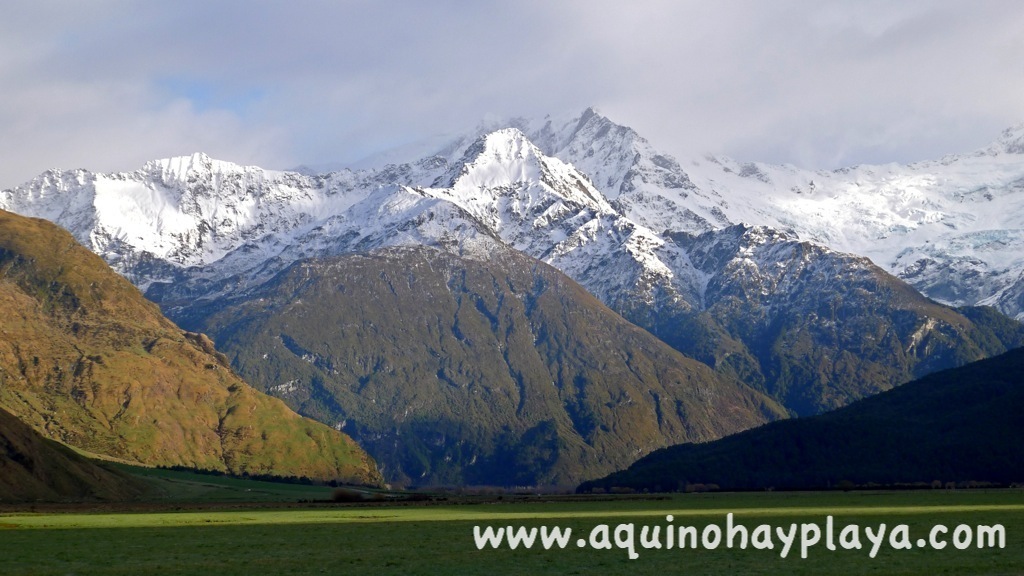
110 84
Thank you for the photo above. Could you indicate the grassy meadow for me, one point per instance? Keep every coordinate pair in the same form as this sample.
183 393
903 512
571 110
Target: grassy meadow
239 537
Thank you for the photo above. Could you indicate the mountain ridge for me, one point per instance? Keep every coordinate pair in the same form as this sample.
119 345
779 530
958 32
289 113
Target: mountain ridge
657 192
641 244
495 370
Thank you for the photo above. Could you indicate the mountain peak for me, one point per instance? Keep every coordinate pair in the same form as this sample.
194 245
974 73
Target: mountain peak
179 168
509 157
509 139
496 159
587 115
184 162
1012 139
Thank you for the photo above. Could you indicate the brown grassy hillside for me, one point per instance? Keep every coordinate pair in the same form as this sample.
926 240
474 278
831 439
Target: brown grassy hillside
86 360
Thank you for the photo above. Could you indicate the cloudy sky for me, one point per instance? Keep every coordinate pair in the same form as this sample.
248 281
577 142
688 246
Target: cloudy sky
109 84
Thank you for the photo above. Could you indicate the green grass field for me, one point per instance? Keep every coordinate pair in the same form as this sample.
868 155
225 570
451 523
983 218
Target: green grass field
438 538
191 488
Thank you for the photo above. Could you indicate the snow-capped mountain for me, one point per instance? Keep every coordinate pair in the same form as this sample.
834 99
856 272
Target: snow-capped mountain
196 213
953 228
194 225
549 210
729 263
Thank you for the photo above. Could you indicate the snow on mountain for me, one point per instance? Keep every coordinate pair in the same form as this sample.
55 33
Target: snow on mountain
573 192
192 227
547 209
747 267
195 211
953 228
644 185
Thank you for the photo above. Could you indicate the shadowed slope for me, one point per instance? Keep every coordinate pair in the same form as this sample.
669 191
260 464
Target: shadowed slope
956 425
34 468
